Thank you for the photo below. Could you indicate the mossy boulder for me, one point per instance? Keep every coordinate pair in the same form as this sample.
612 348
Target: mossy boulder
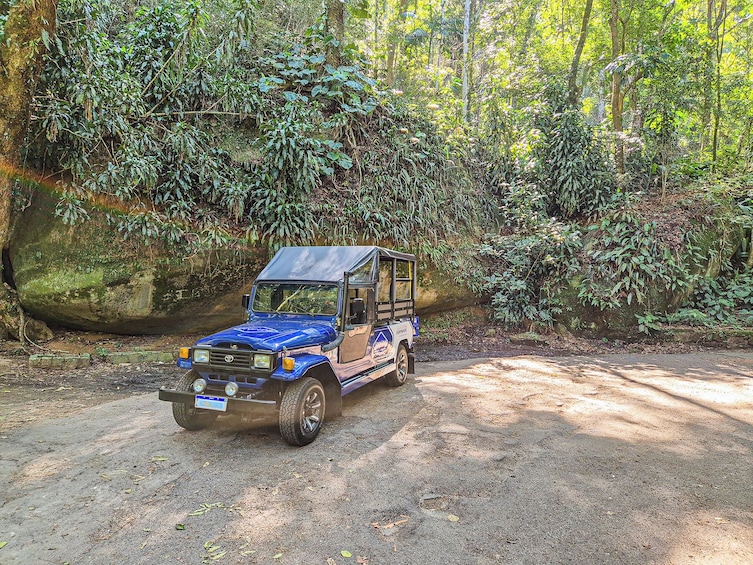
589 321
88 277
713 247
438 292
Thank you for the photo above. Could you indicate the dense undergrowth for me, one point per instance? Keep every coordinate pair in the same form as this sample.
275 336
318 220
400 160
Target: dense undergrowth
215 138
208 132
575 245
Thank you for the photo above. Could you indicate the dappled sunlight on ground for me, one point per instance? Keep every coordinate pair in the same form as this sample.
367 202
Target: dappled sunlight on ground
592 460
731 540
643 401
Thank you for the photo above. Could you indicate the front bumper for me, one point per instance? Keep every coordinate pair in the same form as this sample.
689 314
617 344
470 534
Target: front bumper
234 405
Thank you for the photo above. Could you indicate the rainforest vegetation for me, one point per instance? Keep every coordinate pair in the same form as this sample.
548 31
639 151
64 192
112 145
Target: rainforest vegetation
544 153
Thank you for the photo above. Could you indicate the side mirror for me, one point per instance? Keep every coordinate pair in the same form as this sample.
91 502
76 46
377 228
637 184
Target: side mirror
246 301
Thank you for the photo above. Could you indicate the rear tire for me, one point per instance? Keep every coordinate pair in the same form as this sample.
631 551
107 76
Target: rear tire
186 416
400 374
302 411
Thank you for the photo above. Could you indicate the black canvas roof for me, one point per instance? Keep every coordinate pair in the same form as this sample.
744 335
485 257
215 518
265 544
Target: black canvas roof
322 263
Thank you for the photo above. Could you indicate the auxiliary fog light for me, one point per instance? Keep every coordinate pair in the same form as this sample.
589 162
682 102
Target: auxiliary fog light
231 388
199 385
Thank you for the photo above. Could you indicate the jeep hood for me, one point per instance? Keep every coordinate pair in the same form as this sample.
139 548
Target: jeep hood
269 334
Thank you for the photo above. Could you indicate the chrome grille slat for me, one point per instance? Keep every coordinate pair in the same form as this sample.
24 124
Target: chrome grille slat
228 358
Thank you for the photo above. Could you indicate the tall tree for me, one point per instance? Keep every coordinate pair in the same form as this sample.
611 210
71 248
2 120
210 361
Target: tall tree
573 78
29 27
466 95
716 19
395 36
335 18
617 26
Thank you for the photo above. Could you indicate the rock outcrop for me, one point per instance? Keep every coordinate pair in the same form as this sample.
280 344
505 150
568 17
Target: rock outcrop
86 276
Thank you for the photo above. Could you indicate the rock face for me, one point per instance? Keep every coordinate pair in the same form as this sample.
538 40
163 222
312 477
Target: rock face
87 277
437 292
713 249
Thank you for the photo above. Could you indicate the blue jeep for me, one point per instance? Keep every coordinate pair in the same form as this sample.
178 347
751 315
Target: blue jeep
322 322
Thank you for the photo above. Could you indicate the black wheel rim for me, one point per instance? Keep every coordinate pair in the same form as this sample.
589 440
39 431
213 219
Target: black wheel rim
311 415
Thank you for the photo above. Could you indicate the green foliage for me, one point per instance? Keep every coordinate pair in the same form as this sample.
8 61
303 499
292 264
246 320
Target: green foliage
548 163
714 301
648 322
136 110
526 271
403 186
619 262
627 264
138 102
119 113
571 164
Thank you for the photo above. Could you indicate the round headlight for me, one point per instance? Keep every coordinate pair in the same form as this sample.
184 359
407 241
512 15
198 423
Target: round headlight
200 356
231 388
199 385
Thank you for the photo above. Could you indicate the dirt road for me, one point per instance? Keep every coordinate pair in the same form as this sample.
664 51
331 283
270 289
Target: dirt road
625 459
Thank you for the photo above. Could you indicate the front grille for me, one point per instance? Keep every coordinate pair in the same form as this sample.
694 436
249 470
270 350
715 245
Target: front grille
230 359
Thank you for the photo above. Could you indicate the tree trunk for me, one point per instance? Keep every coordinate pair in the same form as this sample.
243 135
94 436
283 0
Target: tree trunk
335 26
466 60
395 34
440 46
530 25
614 27
718 39
572 87
21 62
375 49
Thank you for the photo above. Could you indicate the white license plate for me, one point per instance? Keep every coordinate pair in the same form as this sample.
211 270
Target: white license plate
218 403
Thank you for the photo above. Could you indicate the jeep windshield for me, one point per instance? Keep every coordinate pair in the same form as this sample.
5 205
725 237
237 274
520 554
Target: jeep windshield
296 298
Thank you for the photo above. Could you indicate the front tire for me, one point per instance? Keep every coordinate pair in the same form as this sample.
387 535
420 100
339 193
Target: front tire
400 374
186 416
302 411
